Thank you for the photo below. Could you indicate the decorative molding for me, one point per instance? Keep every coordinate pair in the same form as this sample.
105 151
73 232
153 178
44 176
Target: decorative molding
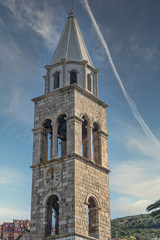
75 87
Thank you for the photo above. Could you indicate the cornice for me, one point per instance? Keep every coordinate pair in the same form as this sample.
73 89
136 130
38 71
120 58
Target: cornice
72 87
73 157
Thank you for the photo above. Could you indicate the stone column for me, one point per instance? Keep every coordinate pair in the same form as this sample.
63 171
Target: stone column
74 135
37 145
103 149
84 74
63 71
55 140
96 72
46 78
89 136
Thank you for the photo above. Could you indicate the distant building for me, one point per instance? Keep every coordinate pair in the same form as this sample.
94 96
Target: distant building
1 231
12 230
8 231
20 226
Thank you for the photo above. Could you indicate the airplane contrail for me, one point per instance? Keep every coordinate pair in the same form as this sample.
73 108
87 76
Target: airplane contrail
131 103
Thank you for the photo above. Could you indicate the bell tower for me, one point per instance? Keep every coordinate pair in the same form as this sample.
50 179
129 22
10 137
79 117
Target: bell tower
70 182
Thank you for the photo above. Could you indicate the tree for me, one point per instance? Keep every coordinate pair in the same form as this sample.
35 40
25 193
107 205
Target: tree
156 213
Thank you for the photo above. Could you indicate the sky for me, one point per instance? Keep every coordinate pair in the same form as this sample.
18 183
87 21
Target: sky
29 33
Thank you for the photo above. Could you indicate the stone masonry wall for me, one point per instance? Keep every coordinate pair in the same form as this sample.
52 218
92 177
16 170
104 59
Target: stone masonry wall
41 193
91 181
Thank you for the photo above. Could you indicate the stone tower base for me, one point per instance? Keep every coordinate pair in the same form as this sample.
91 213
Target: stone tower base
29 236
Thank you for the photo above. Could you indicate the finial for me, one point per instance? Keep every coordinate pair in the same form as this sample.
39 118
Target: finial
72 5
72 11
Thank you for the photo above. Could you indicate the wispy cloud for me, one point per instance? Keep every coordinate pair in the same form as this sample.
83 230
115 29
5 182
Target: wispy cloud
135 141
9 176
123 206
138 179
8 214
148 53
137 175
131 103
44 20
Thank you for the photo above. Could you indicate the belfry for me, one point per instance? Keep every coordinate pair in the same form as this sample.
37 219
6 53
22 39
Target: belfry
70 182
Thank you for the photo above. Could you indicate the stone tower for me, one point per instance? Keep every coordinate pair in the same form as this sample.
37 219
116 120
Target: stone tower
70 184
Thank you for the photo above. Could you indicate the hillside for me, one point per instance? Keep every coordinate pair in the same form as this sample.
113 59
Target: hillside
140 226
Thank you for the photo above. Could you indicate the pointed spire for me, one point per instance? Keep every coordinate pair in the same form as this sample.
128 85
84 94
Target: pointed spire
71 45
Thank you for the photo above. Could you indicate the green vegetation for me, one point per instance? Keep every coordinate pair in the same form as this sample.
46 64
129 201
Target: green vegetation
155 213
141 227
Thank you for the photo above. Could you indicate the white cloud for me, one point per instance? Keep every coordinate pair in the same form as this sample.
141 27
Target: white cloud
8 214
135 140
9 176
148 53
137 179
125 207
44 20
139 174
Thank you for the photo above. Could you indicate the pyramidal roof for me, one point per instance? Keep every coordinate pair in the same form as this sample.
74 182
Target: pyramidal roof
71 45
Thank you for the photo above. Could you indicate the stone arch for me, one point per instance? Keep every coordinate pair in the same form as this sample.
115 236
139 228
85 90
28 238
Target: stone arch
93 216
94 197
73 76
44 119
85 115
45 199
98 124
52 215
59 115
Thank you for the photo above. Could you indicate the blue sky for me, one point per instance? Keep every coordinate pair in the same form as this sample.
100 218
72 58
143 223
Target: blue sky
29 32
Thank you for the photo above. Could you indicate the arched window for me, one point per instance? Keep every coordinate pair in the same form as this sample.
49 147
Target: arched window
52 227
93 223
73 77
89 82
47 140
95 143
84 138
62 135
56 80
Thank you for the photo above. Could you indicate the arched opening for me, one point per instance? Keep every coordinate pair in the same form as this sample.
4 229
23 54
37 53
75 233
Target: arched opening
73 77
95 143
52 227
47 140
62 135
56 80
93 223
85 138
89 86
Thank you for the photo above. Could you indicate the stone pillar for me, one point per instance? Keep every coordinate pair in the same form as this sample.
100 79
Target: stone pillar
46 78
74 135
63 148
44 145
103 149
96 147
63 71
89 140
37 145
84 74
55 140
96 72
